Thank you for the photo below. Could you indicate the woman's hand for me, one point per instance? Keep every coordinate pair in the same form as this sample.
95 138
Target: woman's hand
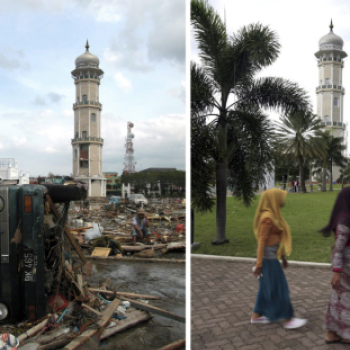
336 280
257 272
284 262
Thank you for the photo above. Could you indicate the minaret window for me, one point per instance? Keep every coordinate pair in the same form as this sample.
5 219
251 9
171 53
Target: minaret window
328 81
84 134
93 117
76 135
327 118
85 98
336 102
75 154
77 98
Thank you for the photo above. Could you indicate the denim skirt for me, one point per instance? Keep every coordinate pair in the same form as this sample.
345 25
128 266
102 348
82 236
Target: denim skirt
273 299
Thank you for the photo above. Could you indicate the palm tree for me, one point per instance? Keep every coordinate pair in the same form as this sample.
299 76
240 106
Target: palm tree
334 156
228 67
300 136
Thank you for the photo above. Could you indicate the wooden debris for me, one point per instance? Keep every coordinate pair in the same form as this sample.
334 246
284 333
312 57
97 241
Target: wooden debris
147 253
66 230
57 344
30 332
101 251
86 335
155 310
134 317
48 338
174 346
124 294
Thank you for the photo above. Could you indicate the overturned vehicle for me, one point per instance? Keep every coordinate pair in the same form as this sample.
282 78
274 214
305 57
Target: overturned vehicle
32 246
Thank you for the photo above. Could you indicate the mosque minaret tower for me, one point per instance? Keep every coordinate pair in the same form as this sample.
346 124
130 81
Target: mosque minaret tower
330 91
87 142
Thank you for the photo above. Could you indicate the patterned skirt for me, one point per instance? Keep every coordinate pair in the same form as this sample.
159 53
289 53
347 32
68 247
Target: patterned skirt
273 299
338 311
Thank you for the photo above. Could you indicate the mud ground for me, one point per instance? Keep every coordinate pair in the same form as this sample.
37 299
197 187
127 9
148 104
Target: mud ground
160 279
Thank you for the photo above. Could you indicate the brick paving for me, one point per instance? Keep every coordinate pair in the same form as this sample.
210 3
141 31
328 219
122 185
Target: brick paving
223 297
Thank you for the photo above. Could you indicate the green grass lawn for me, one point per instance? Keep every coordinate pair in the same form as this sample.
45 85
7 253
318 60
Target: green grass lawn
305 214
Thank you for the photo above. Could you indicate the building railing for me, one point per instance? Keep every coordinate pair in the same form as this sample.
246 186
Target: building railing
82 103
334 124
76 139
87 76
336 59
329 86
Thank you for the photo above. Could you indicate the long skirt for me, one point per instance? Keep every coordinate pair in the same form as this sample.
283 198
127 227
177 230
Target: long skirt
338 311
273 299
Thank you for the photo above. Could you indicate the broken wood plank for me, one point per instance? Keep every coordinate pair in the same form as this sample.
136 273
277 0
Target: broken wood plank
86 335
155 310
137 248
174 346
30 332
134 318
48 338
86 306
66 229
99 251
124 294
80 282
81 228
56 344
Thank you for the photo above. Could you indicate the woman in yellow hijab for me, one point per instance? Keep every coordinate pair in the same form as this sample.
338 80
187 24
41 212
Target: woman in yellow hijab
274 242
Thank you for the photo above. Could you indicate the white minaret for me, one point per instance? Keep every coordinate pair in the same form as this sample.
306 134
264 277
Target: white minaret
87 143
330 92
129 153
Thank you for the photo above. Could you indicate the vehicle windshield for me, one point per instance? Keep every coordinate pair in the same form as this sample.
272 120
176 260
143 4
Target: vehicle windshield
139 196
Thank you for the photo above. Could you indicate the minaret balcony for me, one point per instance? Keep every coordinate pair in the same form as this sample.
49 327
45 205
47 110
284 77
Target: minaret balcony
330 87
78 140
87 76
87 104
340 124
330 59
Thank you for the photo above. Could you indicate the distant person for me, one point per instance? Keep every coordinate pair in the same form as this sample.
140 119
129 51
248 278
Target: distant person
140 227
297 186
337 322
274 242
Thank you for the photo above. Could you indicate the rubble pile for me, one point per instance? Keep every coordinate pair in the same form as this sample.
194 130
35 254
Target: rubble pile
81 315
106 232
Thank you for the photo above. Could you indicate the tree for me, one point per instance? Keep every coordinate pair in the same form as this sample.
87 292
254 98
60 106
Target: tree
226 80
345 173
334 156
300 136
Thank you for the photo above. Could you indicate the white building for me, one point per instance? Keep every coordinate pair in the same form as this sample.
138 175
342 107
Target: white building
87 143
330 91
9 171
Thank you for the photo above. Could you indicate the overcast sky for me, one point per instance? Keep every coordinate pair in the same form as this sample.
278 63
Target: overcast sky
141 47
299 25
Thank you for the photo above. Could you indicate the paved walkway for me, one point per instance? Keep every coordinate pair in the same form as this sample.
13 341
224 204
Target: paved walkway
223 297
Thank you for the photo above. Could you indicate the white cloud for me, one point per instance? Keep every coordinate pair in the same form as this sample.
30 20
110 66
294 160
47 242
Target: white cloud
50 150
123 83
19 141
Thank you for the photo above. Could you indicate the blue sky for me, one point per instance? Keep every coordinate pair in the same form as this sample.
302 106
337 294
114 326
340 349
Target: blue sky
141 47
299 25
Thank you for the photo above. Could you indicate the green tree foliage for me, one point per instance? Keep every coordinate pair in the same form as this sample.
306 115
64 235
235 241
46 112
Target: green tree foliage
167 180
223 87
299 136
334 156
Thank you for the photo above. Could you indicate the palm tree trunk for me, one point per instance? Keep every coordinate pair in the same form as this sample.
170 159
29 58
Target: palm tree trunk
323 180
331 177
301 175
221 191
